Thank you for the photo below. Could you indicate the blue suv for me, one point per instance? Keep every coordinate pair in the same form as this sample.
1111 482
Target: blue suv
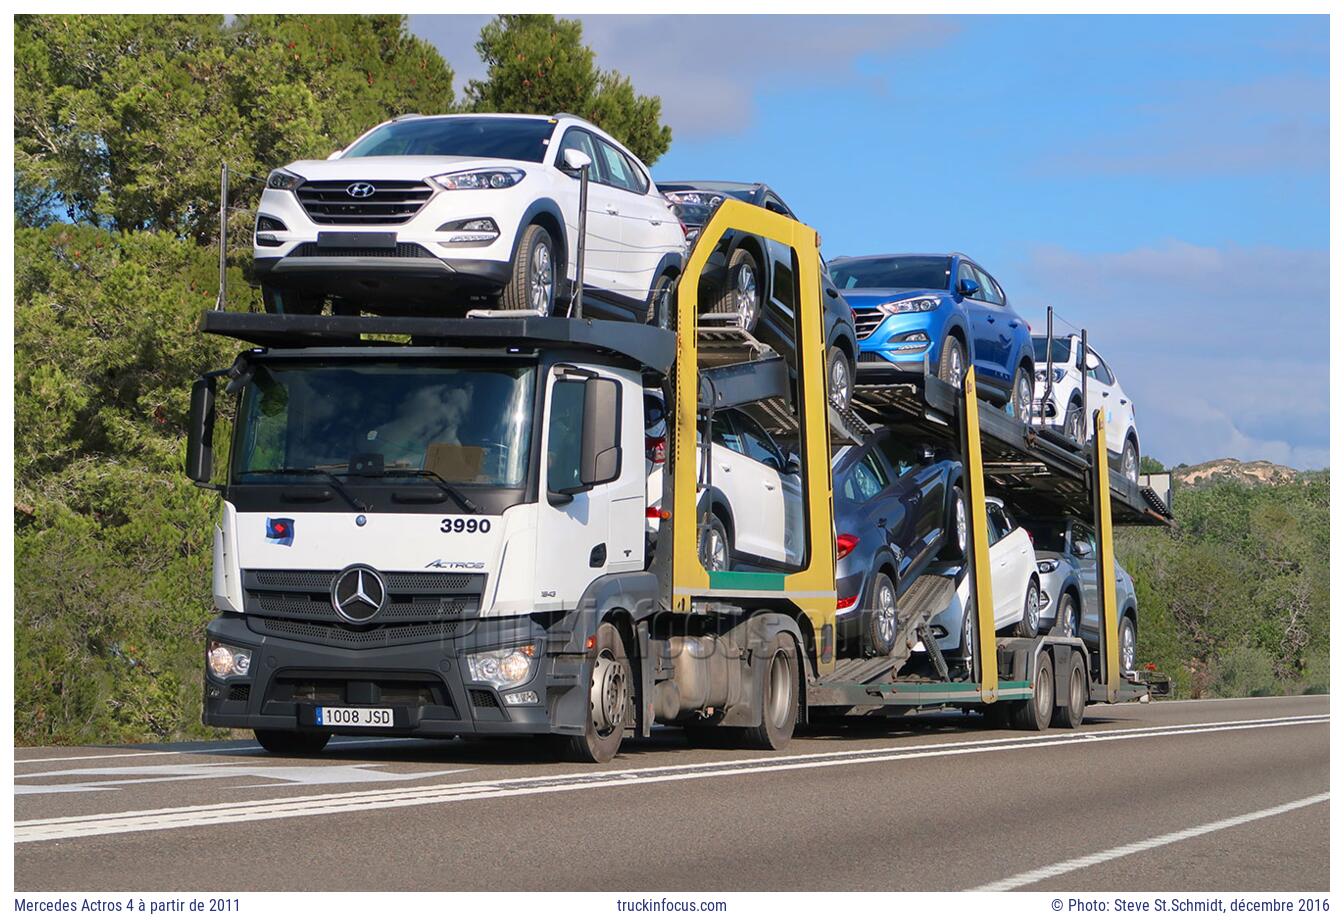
943 308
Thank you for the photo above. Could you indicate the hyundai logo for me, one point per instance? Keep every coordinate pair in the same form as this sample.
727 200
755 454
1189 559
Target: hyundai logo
358 593
359 190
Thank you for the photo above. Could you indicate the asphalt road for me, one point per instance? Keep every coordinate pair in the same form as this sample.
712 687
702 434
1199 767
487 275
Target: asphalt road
1211 795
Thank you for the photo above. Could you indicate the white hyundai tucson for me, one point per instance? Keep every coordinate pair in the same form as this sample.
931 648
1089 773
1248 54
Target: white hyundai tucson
434 214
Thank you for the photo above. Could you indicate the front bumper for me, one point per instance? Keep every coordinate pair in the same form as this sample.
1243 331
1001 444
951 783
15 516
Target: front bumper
426 685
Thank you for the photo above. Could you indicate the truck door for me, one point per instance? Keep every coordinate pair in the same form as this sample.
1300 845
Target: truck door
572 530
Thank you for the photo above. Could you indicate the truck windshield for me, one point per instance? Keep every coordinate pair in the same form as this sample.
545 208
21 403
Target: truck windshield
469 424
458 136
923 272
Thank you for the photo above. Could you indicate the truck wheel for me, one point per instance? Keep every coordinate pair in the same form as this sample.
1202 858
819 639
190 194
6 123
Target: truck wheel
779 697
1033 715
531 284
291 303
1030 624
716 551
608 701
1070 715
951 362
958 527
839 377
293 744
741 294
880 618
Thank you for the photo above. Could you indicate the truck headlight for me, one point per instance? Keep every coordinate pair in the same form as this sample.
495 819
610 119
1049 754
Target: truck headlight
227 660
909 305
503 177
505 667
283 179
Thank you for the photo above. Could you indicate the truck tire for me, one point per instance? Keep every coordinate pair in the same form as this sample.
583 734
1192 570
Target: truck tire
779 697
532 283
1070 714
958 527
742 292
292 744
881 617
609 701
1030 624
291 303
716 548
1033 715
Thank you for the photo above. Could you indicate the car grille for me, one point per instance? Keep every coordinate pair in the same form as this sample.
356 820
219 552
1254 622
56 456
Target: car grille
392 202
413 597
402 251
867 321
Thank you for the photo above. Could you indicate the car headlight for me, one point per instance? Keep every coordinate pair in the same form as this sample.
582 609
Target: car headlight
227 660
1059 374
502 177
909 305
1046 566
505 667
283 179
697 199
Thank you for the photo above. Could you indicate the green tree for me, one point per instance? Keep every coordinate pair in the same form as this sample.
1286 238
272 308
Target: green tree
122 121
536 63
1150 465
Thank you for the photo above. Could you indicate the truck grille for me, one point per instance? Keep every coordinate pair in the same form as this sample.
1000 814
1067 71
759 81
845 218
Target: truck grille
346 636
867 321
392 201
413 597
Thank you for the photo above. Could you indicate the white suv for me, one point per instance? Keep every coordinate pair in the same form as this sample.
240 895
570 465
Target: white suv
431 214
1059 402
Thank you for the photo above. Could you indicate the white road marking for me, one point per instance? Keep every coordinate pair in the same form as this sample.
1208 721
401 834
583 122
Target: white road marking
233 749
1129 849
289 774
335 803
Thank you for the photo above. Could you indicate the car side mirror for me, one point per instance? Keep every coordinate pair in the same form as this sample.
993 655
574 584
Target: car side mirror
576 160
600 446
1082 549
201 432
792 465
336 155
968 287
1093 362
927 454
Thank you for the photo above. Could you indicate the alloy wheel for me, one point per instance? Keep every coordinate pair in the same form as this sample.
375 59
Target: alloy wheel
541 279
746 296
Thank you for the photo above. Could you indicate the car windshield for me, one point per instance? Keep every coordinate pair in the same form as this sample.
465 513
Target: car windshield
1046 535
930 272
458 136
1059 353
468 423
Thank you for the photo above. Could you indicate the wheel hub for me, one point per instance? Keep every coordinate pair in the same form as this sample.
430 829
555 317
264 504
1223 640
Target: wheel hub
609 694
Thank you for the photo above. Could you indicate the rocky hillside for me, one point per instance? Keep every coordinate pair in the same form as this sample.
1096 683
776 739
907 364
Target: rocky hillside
1254 472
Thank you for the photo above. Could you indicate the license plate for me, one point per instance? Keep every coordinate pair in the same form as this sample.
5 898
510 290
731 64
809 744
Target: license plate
350 716
369 240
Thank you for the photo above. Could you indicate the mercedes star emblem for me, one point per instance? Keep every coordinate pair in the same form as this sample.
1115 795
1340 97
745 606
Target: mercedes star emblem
358 593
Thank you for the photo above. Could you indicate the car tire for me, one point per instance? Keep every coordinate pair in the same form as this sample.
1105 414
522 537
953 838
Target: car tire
839 377
532 281
1034 714
779 697
967 651
291 743
291 303
716 547
951 361
958 536
881 617
1030 624
610 701
742 293
1070 713
1129 461
1019 401
1067 616
1074 423
1127 644
662 302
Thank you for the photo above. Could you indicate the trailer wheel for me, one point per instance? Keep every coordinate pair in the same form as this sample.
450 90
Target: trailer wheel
292 744
1033 715
1070 715
608 701
779 697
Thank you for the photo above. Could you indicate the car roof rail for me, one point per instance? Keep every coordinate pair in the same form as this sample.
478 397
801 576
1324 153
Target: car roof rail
407 115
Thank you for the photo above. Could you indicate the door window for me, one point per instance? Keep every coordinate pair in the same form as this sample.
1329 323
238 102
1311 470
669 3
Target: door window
989 288
725 435
966 272
866 479
1101 373
759 445
998 524
564 440
617 168
903 457
581 140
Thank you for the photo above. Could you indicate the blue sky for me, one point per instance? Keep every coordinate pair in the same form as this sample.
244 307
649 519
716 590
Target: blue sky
1161 180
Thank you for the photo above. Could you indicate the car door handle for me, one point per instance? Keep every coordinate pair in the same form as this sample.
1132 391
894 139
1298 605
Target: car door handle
769 486
1124 402
989 319
612 210
655 221
832 292
1105 392
725 467
882 523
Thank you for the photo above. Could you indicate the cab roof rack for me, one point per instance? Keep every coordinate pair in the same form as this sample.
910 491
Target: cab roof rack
648 346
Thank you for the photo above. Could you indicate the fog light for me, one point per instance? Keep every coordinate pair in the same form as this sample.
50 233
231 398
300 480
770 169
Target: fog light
227 660
521 699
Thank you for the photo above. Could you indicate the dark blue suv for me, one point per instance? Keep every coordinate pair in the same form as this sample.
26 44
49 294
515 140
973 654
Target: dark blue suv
943 308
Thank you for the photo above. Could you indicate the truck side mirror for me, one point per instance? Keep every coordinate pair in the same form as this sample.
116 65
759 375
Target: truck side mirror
600 447
201 431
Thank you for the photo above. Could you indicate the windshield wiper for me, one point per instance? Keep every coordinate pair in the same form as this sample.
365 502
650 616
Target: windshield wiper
456 494
314 471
